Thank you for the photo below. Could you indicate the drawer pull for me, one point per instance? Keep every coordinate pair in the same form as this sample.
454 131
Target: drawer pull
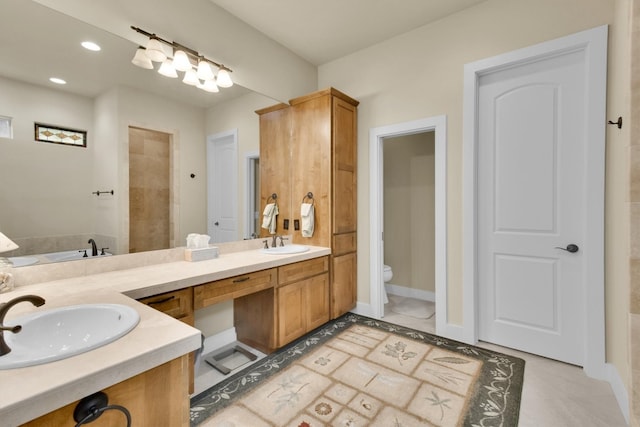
243 279
161 301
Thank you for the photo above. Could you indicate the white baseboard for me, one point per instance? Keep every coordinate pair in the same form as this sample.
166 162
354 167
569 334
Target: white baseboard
403 291
219 340
619 390
363 309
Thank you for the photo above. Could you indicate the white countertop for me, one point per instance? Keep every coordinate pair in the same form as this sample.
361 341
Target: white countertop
27 393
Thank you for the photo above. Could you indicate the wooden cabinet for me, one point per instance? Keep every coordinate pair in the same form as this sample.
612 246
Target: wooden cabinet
302 298
179 305
233 287
253 305
157 397
275 162
306 147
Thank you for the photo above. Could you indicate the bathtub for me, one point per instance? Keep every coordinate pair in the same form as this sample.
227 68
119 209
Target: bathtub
51 257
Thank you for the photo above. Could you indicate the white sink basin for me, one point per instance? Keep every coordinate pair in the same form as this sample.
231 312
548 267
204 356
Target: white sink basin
56 334
285 250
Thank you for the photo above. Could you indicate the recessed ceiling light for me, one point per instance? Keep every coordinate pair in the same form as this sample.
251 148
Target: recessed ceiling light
90 46
58 81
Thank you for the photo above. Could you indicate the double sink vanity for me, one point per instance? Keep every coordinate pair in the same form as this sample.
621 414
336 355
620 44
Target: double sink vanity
277 296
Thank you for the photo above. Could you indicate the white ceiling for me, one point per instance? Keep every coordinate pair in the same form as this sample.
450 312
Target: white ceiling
316 30
323 30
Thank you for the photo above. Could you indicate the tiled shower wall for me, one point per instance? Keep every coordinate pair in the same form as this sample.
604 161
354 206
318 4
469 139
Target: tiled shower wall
149 190
634 217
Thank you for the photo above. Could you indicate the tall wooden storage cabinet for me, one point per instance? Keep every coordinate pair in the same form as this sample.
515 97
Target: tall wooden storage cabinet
309 146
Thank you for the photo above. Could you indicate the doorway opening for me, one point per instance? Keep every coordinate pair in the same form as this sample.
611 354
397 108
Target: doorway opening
252 192
150 195
437 127
409 224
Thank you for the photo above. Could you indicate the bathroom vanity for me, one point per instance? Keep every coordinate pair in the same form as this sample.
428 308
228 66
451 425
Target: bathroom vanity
147 370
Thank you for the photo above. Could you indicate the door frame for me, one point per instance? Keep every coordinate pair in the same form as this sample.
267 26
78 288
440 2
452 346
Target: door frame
594 43
250 193
437 124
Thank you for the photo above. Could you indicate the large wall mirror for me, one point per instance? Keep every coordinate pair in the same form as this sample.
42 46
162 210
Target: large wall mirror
48 200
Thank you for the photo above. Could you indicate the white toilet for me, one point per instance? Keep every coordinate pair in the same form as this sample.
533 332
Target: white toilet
387 275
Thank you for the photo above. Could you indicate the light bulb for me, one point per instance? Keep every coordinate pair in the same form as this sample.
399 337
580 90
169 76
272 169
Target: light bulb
209 86
154 51
190 78
204 70
141 59
91 46
167 70
181 61
224 78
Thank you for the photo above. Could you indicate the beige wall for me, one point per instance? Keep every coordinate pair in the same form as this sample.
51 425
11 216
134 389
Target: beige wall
186 124
45 183
409 210
427 69
240 114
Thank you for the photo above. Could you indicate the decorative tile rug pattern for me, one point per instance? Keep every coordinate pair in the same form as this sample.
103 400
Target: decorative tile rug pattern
356 371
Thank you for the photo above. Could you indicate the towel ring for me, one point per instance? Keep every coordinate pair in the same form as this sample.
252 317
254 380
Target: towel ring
309 195
273 197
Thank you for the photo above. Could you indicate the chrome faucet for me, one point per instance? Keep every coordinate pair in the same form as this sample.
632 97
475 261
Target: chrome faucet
94 247
4 308
273 240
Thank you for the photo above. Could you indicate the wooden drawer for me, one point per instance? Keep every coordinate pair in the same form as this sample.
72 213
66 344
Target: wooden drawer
344 243
233 287
177 304
301 270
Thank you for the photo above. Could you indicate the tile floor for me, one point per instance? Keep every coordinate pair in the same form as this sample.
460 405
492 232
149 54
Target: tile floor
554 394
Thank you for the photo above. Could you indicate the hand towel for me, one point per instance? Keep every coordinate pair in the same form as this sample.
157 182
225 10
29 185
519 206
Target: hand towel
269 215
307 212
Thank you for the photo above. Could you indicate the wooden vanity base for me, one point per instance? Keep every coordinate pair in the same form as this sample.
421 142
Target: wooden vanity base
157 397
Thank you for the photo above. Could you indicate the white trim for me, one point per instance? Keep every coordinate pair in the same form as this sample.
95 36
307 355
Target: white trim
376 262
594 43
619 390
404 291
249 191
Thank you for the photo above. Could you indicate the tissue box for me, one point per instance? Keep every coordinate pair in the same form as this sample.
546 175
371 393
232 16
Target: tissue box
201 254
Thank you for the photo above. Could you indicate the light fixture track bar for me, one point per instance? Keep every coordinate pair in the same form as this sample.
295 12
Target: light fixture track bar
176 45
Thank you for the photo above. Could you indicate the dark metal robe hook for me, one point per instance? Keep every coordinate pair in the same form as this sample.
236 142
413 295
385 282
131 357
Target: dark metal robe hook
619 122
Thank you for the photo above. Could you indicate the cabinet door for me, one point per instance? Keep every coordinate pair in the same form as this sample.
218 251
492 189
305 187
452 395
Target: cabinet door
177 304
291 319
344 167
275 161
311 165
317 305
343 285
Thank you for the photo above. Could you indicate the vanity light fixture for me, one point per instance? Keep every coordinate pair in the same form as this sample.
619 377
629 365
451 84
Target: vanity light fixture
167 69
198 70
142 60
